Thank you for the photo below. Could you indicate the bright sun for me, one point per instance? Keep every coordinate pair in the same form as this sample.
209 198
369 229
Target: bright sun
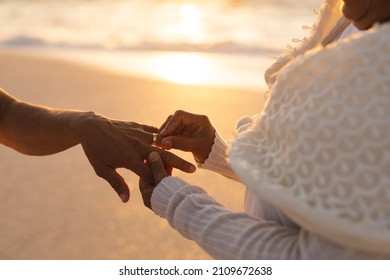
189 13
190 22
185 68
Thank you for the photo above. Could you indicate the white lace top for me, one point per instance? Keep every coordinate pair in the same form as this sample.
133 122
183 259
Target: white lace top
252 203
320 150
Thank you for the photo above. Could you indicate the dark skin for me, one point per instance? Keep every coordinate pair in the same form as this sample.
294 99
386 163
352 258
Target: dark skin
159 171
365 13
188 132
108 144
183 131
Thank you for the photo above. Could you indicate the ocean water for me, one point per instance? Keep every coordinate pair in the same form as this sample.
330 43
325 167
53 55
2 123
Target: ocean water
220 35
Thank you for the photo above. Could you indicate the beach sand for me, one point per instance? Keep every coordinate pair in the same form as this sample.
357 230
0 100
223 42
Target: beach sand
55 207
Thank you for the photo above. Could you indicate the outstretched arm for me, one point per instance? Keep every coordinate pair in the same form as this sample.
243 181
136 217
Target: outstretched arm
36 130
108 144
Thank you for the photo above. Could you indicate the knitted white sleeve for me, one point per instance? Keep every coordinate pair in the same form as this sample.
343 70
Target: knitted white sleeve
235 235
218 160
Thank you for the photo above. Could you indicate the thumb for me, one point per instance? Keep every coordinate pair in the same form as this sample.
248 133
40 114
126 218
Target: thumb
181 143
157 167
117 183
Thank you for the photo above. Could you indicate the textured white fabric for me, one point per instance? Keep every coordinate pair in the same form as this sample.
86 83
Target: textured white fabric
252 203
350 30
217 160
329 15
234 235
320 151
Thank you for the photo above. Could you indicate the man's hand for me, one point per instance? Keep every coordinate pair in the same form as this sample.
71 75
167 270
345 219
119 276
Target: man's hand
111 144
108 144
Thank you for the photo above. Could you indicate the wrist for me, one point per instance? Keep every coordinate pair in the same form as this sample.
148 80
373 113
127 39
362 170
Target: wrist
6 102
217 155
80 122
202 155
163 194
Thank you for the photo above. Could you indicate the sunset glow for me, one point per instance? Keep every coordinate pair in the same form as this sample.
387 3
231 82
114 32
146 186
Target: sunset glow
182 68
189 13
190 25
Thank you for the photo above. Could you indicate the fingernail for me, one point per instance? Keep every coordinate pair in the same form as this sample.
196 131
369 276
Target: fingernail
154 156
192 168
166 144
123 197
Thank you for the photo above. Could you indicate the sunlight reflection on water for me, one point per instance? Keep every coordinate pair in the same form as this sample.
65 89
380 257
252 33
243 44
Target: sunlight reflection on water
184 68
188 68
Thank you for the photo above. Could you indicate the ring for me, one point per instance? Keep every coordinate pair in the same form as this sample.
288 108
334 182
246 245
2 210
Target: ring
154 141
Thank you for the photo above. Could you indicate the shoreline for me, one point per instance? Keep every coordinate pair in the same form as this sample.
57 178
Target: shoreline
224 70
55 207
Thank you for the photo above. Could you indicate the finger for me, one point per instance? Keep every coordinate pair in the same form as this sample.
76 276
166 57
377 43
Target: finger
150 138
175 122
164 124
146 190
181 143
174 161
116 181
155 139
157 167
142 170
148 128
169 170
168 158
179 121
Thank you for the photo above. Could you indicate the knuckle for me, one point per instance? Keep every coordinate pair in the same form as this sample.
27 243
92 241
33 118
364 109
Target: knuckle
204 118
171 159
116 185
179 113
100 172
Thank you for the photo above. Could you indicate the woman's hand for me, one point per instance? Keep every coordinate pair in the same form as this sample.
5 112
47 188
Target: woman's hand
365 13
188 132
159 172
